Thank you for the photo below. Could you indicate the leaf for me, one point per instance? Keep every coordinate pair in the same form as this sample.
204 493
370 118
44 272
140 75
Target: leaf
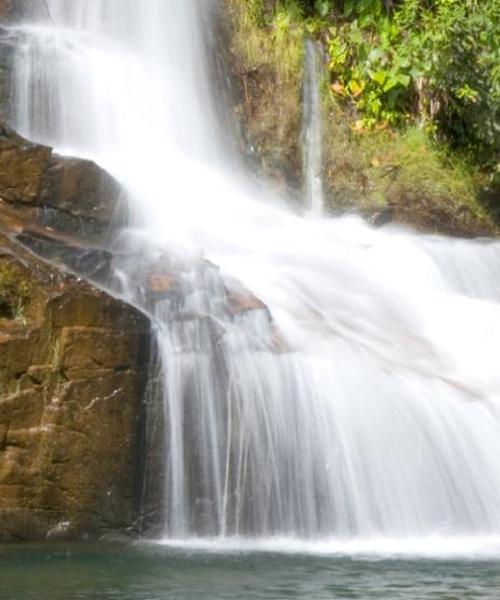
379 77
356 87
322 7
366 20
364 6
349 7
391 83
404 80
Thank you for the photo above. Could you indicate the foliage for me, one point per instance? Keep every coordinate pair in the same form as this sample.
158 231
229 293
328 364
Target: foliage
411 102
410 164
432 61
396 62
404 174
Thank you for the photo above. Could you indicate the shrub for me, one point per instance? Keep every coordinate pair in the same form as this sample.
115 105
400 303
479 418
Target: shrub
432 61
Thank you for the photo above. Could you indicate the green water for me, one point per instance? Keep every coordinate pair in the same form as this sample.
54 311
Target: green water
82 572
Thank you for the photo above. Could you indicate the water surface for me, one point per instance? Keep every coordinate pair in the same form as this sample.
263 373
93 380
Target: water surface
149 572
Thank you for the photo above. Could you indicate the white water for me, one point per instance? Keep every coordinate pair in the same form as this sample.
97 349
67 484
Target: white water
312 130
374 548
368 409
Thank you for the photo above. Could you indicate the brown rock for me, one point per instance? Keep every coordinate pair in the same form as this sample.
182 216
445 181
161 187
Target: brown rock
81 188
72 377
66 195
23 168
244 301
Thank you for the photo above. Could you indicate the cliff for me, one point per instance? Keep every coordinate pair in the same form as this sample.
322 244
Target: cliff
73 359
73 364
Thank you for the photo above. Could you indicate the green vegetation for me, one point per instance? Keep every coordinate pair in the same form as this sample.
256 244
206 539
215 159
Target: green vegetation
406 80
268 46
436 62
13 292
410 178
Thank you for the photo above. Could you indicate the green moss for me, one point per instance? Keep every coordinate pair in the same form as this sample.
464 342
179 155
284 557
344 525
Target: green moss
267 47
406 172
439 185
13 292
417 162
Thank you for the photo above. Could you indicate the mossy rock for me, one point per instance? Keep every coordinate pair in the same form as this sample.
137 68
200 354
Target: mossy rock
73 374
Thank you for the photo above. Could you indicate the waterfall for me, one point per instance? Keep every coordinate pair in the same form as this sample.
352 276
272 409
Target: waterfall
321 378
311 134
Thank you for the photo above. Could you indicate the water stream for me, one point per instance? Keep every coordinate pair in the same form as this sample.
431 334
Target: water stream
360 406
312 130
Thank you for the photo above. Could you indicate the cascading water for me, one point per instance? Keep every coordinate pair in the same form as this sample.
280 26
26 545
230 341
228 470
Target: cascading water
312 133
365 404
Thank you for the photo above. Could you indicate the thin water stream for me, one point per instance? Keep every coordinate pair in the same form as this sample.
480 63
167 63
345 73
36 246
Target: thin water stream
312 129
363 403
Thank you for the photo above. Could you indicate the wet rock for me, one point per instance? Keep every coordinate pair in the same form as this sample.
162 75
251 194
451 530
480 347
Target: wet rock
73 364
80 188
69 196
243 301
160 283
116 538
94 263
12 10
23 167
60 531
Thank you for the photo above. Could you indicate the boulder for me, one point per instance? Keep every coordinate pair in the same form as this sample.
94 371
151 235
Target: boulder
66 195
73 370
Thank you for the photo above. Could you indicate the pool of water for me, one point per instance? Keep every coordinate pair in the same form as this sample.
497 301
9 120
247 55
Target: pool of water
158 572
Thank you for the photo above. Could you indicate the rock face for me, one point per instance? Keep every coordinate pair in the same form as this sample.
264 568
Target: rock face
71 196
73 366
267 101
73 360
